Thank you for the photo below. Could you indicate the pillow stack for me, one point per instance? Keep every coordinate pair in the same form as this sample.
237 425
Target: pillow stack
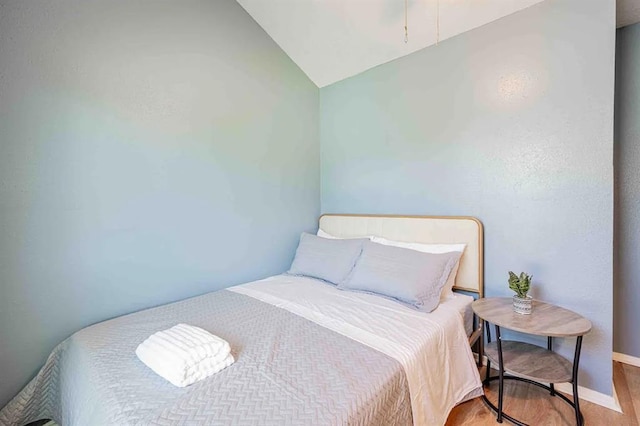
417 275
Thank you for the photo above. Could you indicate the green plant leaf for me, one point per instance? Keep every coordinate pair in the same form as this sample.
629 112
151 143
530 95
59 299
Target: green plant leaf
520 284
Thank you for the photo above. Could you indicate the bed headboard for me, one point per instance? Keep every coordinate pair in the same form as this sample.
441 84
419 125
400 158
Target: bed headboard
421 229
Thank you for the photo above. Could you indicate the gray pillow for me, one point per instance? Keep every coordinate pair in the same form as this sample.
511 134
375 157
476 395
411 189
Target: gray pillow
326 259
408 276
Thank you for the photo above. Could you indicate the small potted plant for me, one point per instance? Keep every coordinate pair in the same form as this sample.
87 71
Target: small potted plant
522 302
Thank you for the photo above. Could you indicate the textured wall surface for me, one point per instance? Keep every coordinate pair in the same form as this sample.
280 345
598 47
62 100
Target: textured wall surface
149 151
512 123
626 338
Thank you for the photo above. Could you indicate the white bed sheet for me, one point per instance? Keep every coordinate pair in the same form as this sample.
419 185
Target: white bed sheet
432 348
462 304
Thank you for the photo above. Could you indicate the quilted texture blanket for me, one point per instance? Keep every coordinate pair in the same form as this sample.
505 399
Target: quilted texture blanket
289 371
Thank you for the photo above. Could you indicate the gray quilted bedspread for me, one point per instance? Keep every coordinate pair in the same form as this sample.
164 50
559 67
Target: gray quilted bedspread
288 371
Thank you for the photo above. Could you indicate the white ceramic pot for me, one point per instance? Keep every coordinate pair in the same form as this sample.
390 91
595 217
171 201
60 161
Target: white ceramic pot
522 305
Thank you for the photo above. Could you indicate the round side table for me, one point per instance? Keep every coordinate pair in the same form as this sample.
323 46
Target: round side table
526 362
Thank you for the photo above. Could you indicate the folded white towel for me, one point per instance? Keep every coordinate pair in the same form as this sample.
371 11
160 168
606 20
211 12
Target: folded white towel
185 354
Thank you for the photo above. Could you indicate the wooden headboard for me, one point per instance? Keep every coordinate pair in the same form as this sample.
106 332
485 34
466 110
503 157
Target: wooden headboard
421 229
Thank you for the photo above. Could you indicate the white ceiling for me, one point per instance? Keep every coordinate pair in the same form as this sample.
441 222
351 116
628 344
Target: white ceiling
334 39
331 40
628 12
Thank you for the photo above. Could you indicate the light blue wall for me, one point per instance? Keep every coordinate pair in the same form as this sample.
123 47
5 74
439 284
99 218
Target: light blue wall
511 123
626 319
149 151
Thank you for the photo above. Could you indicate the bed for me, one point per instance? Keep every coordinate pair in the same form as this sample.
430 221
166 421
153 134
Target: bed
306 352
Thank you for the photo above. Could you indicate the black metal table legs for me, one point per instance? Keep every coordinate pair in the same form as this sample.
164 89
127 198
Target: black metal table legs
502 377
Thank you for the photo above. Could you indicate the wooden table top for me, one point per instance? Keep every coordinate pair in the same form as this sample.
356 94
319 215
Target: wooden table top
545 319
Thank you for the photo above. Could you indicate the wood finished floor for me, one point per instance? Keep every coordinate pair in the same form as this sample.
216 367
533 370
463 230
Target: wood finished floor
535 406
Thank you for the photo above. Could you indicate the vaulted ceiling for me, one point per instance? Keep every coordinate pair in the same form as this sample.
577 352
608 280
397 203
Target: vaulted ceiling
331 40
334 39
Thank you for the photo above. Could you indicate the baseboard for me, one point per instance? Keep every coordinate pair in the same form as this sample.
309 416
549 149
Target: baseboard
627 359
601 399
586 394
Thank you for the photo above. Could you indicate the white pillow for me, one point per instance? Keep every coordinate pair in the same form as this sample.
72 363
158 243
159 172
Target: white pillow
447 290
323 234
